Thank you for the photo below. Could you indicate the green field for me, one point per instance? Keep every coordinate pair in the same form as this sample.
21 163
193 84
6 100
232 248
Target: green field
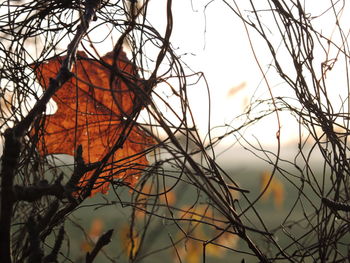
107 210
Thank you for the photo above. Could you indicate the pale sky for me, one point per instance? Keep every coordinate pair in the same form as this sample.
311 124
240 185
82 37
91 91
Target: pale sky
219 41
216 44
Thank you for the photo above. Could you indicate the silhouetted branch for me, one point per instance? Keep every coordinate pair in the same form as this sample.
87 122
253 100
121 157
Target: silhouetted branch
79 170
52 257
64 73
14 136
35 252
10 161
102 241
338 206
45 220
35 192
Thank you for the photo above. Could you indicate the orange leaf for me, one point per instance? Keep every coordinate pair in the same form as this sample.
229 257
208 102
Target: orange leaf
189 251
96 229
94 234
168 198
91 113
235 89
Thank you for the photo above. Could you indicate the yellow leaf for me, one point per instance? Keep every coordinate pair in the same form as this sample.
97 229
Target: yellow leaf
190 251
94 233
96 229
86 246
168 198
265 178
129 242
275 187
227 240
278 193
194 212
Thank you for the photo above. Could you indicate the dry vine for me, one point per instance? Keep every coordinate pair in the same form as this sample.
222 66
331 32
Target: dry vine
39 193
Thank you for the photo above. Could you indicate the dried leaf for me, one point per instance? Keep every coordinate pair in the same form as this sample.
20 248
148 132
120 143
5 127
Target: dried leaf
235 89
193 252
91 113
96 229
86 247
189 251
146 197
130 243
276 188
95 232
169 198
193 212
226 239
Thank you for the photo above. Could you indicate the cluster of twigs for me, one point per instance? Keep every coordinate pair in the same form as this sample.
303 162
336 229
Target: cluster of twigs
304 55
33 208
26 242
37 196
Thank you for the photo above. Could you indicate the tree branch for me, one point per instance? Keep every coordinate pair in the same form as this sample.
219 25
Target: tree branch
35 192
52 257
338 206
13 136
102 241
10 160
35 252
64 73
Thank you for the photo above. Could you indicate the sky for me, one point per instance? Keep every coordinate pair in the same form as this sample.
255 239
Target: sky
216 43
213 40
